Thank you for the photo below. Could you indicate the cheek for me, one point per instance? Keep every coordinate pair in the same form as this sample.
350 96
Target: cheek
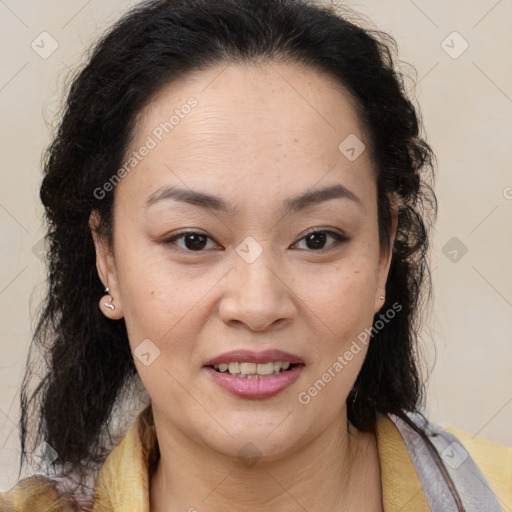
160 334
147 289
344 293
166 306
340 305
153 307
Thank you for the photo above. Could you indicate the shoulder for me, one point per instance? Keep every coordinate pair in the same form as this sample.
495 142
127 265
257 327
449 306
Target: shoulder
493 459
32 494
447 459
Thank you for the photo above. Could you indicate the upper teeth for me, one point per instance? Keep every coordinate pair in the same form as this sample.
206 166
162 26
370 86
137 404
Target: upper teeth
253 368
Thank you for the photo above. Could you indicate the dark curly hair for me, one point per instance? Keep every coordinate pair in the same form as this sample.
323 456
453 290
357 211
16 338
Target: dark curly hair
87 358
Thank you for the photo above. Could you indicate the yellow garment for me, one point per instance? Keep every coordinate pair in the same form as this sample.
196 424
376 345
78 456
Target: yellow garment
123 482
494 461
402 491
34 494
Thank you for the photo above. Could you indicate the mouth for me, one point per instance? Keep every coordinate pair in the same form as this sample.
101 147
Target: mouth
254 375
245 370
254 380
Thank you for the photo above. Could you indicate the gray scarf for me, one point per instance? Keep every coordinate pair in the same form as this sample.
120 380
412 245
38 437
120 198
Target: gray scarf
473 488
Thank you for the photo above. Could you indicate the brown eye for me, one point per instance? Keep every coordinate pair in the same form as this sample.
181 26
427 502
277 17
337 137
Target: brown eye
316 240
192 241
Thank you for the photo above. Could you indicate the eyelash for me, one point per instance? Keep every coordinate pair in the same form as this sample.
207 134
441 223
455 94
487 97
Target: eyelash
339 238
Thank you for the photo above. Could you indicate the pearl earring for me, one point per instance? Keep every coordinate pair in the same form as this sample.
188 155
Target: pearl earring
109 304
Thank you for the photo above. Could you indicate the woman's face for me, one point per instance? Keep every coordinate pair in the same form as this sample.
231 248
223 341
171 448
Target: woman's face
251 276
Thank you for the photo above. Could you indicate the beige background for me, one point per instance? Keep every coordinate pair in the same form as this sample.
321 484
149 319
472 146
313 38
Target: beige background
467 109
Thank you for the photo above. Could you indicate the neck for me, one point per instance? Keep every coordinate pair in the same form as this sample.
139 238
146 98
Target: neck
338 471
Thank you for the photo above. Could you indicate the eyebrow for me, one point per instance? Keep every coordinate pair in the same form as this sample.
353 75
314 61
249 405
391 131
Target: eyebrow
211 202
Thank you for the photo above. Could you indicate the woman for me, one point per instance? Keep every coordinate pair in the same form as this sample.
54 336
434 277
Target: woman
239 209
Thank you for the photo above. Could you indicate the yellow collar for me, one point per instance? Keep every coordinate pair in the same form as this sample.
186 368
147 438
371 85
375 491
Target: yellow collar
123 482
401 488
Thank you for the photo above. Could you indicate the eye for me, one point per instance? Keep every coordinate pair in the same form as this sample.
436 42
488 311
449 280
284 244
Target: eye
316 239
193 241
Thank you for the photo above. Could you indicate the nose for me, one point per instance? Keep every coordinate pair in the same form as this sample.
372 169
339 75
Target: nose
258 294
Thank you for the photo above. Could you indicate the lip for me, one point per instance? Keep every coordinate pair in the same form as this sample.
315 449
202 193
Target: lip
265 387
249 356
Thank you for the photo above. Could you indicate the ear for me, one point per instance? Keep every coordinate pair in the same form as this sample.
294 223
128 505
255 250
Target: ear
386 256
105 264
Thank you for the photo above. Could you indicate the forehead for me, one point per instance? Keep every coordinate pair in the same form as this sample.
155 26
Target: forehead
279 121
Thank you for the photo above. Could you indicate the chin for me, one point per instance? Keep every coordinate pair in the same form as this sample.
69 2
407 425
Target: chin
253 445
